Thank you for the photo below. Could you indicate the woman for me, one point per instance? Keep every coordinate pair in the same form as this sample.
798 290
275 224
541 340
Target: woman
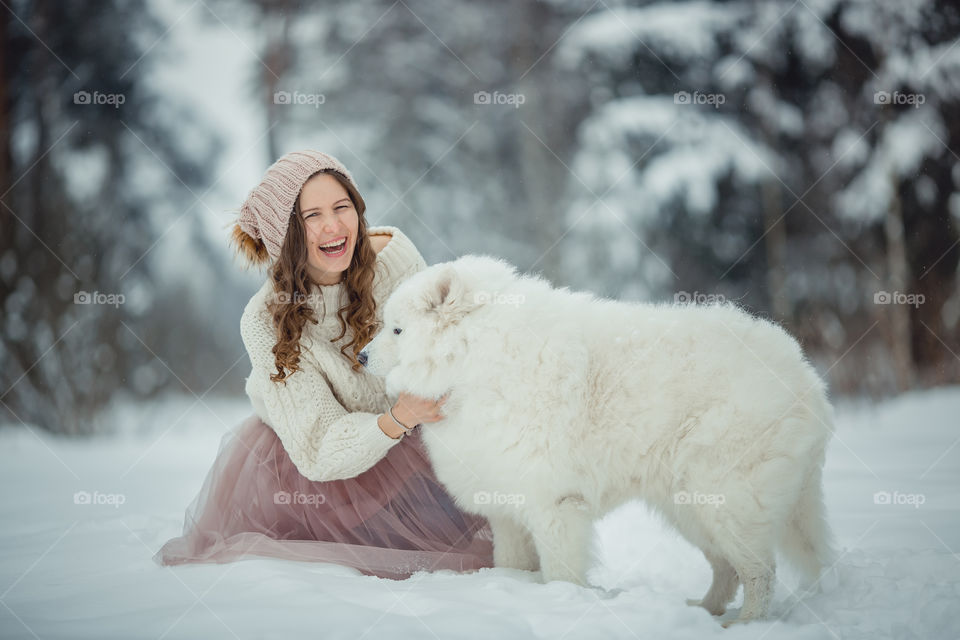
326 470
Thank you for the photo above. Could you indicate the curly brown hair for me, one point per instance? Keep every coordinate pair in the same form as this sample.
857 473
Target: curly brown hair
292 287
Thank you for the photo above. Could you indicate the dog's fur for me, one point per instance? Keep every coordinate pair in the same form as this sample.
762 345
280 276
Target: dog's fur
563 406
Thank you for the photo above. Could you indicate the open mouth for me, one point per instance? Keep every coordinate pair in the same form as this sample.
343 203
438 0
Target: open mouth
335 250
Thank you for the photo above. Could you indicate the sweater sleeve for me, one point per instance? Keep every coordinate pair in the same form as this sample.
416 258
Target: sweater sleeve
400 258
323 439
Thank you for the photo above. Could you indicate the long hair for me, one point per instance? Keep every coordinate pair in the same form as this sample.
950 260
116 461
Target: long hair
293 288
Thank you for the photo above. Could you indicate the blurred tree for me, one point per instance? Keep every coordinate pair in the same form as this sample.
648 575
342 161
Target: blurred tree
81 136
793 156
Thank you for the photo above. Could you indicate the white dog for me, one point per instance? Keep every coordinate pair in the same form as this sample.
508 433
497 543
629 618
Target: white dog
563 406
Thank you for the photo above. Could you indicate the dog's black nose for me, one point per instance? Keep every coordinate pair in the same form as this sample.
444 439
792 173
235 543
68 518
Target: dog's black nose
362 358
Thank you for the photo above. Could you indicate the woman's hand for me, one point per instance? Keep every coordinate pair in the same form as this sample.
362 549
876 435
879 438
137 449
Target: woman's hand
412 410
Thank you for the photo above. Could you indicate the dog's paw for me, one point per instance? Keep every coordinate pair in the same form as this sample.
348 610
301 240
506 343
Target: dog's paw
737 619
712 609
515 559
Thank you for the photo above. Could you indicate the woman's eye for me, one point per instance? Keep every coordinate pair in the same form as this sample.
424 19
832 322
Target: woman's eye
397 331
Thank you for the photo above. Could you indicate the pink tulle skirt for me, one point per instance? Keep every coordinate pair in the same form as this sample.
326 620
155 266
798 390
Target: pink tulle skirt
390 521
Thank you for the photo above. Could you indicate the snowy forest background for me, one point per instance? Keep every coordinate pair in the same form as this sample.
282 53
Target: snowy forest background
799 157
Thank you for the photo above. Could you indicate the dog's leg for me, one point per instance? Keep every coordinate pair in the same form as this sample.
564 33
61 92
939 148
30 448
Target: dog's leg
562 537
758 582
513 547
723 588
747 543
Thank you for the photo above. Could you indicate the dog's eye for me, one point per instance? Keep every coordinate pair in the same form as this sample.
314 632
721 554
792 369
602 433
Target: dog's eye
397 330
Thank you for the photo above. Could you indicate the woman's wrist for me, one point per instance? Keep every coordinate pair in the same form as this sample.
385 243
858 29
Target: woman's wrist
401 420
386 424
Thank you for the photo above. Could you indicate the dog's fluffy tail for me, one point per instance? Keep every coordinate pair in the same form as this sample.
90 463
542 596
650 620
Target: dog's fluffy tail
807 543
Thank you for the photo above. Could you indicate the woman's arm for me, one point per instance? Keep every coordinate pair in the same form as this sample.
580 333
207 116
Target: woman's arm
322 438
389 427
398 257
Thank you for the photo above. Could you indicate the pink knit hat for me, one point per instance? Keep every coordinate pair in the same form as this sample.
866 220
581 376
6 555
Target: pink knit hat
265 215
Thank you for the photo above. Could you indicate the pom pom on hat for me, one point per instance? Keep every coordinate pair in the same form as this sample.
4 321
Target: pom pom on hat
265 215
252 249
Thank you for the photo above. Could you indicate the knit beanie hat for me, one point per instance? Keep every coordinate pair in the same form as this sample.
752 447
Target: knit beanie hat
265 215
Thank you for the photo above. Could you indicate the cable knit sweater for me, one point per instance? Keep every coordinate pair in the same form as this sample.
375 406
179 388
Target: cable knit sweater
326 413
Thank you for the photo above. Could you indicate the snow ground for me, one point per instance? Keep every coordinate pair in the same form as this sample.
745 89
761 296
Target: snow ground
85 571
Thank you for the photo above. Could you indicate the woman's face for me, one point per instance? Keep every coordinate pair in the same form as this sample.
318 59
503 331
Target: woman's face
331 222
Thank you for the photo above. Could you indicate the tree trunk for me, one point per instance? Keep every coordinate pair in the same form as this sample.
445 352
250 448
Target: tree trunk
277 58
898 274
6 179
775 243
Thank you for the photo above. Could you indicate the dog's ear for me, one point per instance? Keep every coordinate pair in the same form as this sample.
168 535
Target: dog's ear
450 298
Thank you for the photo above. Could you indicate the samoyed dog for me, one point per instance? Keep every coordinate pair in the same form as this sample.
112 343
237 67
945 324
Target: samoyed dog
564 406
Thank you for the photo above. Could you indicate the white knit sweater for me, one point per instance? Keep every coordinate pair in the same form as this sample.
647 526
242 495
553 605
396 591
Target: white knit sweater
326 414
